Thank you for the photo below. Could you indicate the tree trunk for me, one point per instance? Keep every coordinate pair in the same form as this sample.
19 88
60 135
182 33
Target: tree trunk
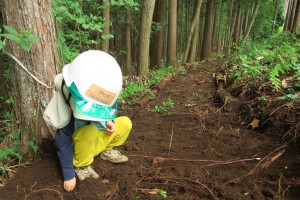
127 42
249 26
275 15
237 26
144 39
194 45
228 32
105 15
289 4
172 34
296 25
190 34
292 17
206 51
157 41
30 96
219 35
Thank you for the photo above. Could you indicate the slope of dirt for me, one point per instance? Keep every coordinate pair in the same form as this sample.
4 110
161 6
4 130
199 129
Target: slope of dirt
191 150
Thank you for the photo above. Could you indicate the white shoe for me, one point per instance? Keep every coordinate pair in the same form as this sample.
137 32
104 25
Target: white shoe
114 156
86 172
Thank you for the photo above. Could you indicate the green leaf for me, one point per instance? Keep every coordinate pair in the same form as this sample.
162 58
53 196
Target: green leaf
85 26
80 20
30 37
11 37
297 84
11 30
25 44
1 45
108 36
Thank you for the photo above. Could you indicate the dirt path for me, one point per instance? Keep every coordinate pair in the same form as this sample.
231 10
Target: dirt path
189 148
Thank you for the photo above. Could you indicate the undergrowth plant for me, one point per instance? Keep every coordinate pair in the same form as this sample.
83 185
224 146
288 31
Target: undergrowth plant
267 61
9 134
165 107
133 89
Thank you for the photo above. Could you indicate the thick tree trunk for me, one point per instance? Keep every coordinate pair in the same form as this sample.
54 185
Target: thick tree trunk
105 15
191 32
157 41
144 39
207 51
296 25
127 43
172 34
30 96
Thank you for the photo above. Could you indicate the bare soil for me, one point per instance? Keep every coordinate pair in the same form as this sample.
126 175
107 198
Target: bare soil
191 151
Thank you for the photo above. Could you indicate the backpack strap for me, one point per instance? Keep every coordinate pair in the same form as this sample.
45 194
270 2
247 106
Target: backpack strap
62 91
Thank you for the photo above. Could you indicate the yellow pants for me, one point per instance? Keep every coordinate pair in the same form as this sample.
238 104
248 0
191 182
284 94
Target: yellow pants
88 141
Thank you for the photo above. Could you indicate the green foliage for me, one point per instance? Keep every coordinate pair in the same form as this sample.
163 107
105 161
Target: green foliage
33 146
166 105
24 38
80 25
133 89
128 3
267 61
262 27
77 29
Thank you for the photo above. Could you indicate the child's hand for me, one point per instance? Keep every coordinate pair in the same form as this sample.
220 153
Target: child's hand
70 184
110 127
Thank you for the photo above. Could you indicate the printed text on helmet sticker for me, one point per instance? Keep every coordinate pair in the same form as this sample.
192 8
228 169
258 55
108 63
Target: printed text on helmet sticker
100 94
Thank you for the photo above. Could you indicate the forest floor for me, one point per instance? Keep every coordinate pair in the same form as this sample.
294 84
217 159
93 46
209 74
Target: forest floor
189 150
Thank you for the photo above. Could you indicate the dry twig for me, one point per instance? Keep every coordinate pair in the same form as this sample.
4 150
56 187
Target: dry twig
260 166
171 140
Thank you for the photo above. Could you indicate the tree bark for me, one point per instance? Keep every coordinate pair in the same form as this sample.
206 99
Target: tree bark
219 35
228 32
128 64
206 51
105 15
31 97
144 39
157 41
237 26
296 25
275 15
190 34
172 34
248 29
194 45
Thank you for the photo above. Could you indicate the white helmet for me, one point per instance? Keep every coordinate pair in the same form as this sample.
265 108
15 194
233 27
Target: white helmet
94 79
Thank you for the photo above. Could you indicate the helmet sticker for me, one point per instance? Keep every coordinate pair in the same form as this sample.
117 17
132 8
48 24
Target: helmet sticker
100 94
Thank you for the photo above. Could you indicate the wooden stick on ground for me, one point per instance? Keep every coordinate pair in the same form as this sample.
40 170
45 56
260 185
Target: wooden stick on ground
258 168
171 141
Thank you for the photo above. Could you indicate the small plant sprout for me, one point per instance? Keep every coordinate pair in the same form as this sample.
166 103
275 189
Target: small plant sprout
165 106
163 193
189 104
198 95
182 72
152 95
263 98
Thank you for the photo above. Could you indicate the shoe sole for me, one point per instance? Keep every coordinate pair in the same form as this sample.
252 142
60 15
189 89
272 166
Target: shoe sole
112 161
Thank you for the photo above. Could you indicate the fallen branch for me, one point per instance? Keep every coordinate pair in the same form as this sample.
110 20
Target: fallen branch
217 162
45 189
171 140
258 168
